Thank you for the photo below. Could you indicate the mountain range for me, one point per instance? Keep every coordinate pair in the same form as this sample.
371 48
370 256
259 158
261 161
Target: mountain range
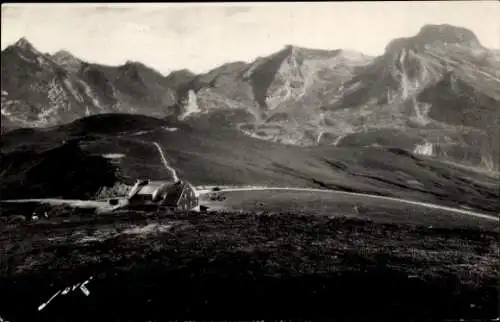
436 93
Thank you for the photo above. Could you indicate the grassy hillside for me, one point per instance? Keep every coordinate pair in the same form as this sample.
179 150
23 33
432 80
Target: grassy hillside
220 155
329 203
64 171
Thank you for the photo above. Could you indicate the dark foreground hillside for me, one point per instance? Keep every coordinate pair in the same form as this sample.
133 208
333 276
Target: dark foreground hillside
244 266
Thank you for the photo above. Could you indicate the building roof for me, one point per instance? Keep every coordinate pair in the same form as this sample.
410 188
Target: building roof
163 192
167 191
152 187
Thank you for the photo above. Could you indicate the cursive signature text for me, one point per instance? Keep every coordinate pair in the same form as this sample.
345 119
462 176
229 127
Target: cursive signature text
68 289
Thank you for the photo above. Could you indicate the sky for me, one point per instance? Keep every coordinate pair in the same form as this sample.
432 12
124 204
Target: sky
200 37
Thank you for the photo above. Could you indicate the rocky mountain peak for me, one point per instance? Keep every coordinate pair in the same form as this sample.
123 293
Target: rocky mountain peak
67 60
24 44
291 49
23 50
354 55
447 34
130 65
64 55
137 67
131 70
178 78
183 72
435 35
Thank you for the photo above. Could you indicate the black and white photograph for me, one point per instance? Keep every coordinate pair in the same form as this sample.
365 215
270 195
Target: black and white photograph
225 161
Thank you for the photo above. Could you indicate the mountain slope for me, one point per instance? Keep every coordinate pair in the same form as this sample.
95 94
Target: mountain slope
436 93
206 155
133 87
440 88
65 59
44 90
283 91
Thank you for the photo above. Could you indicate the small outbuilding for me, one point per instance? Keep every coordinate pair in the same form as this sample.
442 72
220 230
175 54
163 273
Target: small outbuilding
177 195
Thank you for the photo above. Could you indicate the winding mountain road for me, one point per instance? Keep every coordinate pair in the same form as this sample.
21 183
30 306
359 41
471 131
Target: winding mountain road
203 190
165 162
410 202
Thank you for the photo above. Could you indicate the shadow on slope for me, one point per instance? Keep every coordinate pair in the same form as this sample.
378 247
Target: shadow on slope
63 172
220 155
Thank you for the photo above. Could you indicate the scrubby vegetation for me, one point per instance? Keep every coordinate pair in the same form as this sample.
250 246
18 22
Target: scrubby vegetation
246 265
117 190
64 171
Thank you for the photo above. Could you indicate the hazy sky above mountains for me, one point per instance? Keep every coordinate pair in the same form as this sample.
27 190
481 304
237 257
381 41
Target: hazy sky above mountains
202 36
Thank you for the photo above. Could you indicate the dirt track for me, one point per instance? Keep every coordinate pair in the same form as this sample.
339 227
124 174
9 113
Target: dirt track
165 162
410 202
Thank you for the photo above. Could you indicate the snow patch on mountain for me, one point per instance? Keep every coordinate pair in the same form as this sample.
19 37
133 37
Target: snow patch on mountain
426 149
191 105
169 129
72 90
421 112
488 163
410 85
113 155
289 84
90 95
338 140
